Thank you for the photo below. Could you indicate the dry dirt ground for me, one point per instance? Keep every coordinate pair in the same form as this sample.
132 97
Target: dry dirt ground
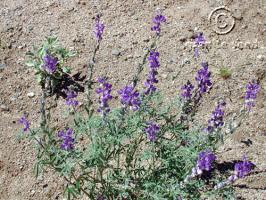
25 23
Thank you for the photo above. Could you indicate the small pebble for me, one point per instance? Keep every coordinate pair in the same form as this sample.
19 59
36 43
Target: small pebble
31 94
2 66
260 57
116 52
4 108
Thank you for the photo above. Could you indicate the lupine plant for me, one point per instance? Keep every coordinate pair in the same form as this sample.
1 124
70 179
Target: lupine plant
143 148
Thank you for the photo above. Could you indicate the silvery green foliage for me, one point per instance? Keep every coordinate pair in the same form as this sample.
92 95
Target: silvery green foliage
113 158
49 61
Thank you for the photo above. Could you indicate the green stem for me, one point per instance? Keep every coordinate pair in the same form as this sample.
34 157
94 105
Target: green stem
141 65
89 79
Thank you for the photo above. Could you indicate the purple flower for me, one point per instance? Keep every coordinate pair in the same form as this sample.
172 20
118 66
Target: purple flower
216 120
204 163
152 130
98 28
199 39
71 98
186 91
154 60
49 63
252 90
203 79
104 93
157 20
129 97
154 65
67 139
243 168
205 160
25 123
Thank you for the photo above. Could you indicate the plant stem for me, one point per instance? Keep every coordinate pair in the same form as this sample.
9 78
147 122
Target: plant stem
89 81
140 66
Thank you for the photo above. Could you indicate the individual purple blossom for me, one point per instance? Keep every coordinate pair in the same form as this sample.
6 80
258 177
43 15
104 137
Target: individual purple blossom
252 90
151 79
203 79
241 169
71 98
67 139
152 130
204 163
50 63
216 119
199 39
157 20
104 92
186 91
98 28
25 123
205 160
154 59
130 97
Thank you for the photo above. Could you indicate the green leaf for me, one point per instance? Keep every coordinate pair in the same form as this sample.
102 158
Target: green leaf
29 53
30 63
51 40
39 78
66 70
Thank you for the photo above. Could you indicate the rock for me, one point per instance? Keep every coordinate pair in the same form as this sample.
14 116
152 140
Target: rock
260 57
238 15
128 57
164 76
183 38
2 66
4 108
32 192
116 52
31 94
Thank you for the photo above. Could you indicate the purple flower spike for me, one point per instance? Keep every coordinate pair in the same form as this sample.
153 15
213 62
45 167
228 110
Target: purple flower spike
252 90
104 93
216 120
204 163
205 160
98 28
157 20
199 39
152 130
186 91
49 63
243 168
25 123
67 139
71 98
129 97
203 79
154 65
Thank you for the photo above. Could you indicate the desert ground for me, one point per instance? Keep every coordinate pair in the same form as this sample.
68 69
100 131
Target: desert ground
25 23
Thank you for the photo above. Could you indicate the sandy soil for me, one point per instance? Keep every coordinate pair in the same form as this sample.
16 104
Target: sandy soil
25 23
